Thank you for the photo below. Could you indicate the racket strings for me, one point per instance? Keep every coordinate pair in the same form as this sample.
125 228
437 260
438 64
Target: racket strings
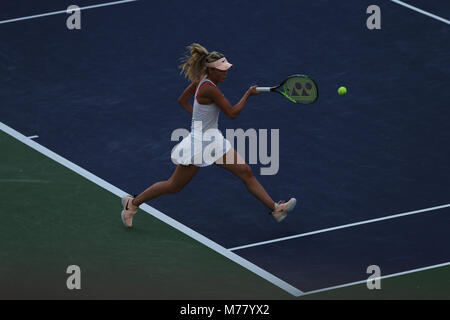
300 89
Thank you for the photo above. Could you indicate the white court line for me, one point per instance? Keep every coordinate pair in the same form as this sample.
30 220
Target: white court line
379 278
421 11
338 227
65 11
33 137
152 211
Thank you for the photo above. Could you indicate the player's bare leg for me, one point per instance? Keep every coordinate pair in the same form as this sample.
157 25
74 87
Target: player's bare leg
243 171
179 179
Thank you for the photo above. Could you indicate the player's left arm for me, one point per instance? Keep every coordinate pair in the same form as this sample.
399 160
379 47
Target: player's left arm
184 98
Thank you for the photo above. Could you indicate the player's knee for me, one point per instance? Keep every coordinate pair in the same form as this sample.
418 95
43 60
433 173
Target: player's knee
174 188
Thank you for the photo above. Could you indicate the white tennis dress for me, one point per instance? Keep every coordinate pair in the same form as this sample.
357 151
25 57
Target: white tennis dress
205 144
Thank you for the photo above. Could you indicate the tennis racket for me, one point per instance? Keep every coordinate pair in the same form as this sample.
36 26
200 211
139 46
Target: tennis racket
298 88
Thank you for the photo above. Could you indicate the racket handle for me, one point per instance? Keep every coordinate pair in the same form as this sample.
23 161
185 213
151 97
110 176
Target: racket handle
263 89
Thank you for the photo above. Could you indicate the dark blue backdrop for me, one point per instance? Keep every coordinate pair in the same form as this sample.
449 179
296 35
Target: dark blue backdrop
105 97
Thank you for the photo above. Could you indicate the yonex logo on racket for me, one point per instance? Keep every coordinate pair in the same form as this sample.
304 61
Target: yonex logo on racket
298 88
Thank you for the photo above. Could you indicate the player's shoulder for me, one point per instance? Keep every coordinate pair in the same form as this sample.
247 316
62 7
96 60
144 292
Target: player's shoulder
208 87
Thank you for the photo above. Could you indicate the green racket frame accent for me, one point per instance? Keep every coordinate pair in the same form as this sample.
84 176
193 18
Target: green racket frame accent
285 92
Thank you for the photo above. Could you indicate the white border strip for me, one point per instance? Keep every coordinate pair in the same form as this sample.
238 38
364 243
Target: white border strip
421 11
339 227
65 11
382 277
152 211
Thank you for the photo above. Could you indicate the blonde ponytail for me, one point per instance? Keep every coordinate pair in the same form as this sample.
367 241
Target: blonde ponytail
193 65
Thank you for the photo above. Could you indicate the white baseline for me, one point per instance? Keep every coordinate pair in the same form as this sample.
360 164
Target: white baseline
421 11
338 227
65 11
152 211
382 277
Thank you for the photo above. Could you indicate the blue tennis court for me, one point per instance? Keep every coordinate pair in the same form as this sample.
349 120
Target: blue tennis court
105 98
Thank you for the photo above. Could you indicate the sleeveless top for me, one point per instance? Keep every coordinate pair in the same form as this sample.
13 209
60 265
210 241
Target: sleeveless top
208 114
205 144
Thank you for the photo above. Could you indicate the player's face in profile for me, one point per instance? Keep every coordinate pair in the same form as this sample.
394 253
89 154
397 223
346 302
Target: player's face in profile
221 75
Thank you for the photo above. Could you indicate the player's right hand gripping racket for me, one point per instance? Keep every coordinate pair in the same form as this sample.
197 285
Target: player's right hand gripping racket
298 88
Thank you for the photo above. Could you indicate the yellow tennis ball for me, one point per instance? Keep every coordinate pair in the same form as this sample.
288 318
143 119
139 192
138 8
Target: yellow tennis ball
342 91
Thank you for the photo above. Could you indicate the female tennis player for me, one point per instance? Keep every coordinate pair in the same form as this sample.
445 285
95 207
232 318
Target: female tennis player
206 70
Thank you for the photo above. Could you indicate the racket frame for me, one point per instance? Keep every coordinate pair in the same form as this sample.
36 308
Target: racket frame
274 89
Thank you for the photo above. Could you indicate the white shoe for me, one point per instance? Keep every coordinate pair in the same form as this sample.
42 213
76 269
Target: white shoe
129 210
282 208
